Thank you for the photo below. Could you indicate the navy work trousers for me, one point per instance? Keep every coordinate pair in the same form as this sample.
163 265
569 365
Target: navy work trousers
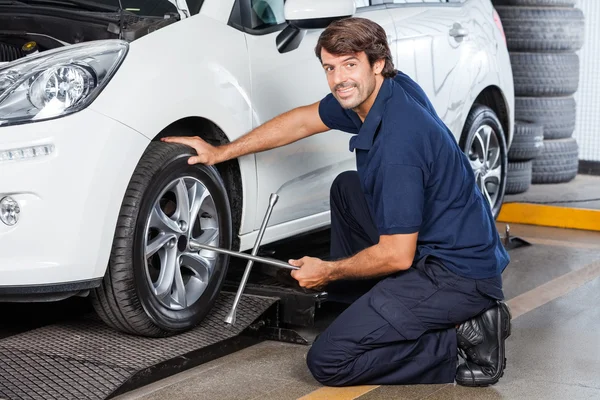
397 330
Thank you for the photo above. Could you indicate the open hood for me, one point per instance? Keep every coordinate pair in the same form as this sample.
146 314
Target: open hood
148 7
31 26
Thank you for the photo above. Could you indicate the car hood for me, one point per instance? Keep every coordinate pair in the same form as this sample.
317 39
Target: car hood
181 5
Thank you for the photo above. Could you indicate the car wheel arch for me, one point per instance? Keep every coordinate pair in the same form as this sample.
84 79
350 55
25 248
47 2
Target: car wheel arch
493 97
230 170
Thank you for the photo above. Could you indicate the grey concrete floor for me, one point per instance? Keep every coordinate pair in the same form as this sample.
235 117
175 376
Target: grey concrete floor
553 353
581 192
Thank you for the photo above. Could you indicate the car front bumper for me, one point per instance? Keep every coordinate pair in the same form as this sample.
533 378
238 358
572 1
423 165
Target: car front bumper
69 200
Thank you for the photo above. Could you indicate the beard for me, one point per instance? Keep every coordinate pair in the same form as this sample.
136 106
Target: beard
359 95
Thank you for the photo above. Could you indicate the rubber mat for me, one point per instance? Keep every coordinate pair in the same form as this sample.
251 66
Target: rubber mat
85 359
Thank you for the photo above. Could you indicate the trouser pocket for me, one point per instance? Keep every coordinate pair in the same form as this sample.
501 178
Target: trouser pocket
404 321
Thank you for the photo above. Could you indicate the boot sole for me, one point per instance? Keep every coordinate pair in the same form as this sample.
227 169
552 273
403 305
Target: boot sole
503 334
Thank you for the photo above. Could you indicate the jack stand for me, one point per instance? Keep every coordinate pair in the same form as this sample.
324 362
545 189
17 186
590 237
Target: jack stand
269 327
513 242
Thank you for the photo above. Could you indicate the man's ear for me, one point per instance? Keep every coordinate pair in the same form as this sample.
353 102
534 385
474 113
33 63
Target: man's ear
378 67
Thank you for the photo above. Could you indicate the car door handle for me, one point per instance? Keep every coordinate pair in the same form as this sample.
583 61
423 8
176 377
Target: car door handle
458 31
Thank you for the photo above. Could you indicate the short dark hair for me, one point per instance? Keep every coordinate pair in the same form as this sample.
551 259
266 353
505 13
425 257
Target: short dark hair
355 35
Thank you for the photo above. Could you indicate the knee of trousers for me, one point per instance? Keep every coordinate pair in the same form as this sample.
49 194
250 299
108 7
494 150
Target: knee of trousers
326 363
345 183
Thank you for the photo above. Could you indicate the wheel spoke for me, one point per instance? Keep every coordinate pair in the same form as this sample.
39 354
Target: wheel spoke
201 265
209 236
197 194
479 142
168 264
183 201
160 221
475 165
486 193
494 158
158 243
180 290
196 286
493 175
485 135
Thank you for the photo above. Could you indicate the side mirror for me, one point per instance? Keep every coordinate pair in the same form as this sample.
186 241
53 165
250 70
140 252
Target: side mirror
317 14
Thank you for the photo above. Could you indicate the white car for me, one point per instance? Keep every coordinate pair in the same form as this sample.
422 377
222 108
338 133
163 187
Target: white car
91 202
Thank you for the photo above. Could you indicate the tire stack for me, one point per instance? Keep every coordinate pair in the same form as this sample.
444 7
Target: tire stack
543 37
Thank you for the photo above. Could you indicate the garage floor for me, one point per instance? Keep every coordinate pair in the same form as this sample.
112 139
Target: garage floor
553 288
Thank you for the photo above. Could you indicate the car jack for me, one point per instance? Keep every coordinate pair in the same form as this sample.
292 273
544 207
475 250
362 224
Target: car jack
513 242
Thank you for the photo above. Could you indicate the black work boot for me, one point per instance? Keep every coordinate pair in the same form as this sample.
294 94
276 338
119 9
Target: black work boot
482 340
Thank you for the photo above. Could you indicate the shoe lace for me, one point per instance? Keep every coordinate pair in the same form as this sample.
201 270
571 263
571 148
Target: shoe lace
467 364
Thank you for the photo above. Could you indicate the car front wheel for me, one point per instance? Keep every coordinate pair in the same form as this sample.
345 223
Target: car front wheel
485 146
155 285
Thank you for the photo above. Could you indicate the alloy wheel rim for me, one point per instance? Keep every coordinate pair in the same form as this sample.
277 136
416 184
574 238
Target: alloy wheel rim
184 210
484 156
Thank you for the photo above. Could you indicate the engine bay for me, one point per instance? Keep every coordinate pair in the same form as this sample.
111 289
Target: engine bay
25 31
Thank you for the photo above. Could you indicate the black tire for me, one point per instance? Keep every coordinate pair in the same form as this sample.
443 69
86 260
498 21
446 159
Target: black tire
542 28
558 115
535 3
124 301
479 116
558 163
545 74
518 178
528 142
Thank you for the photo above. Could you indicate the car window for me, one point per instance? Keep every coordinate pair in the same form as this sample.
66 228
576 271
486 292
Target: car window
266 13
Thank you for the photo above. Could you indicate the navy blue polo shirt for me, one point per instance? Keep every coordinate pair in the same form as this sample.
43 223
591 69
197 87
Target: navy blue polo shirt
417 179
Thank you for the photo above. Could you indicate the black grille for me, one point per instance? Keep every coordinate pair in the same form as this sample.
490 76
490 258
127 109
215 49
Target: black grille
9 52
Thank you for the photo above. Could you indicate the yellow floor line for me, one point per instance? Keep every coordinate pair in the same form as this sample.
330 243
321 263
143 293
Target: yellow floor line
552 290
544 215
519 305
343 393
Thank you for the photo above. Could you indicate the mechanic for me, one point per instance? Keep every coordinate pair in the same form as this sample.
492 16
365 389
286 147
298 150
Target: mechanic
414 247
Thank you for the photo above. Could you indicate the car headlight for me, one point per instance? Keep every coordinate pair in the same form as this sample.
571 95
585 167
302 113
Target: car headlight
57 82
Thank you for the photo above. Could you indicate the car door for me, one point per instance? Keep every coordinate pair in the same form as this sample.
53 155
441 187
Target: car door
432 38
300 173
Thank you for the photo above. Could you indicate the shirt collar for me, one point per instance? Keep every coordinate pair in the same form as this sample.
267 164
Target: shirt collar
366 133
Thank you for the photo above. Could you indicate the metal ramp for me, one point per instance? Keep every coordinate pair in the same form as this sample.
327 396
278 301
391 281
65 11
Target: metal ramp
84 359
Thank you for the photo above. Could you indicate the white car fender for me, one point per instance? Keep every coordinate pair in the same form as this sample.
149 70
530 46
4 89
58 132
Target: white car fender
196 67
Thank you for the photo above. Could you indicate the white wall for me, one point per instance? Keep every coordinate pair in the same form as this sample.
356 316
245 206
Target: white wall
587 131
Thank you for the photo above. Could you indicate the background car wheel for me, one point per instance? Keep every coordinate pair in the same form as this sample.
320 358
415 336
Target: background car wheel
483 142
154 285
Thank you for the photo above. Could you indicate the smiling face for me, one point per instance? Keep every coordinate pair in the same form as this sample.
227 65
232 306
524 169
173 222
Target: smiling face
352 79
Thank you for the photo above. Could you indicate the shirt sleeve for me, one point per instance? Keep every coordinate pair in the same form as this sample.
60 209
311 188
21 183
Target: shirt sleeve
334 116
398 199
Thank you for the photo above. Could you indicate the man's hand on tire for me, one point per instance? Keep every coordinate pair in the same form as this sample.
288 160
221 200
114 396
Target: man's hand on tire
207 153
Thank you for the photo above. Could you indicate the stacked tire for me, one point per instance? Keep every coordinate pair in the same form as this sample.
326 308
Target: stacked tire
543 37
527 145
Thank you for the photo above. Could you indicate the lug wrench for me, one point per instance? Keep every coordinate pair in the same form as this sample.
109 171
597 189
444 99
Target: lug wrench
194 245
